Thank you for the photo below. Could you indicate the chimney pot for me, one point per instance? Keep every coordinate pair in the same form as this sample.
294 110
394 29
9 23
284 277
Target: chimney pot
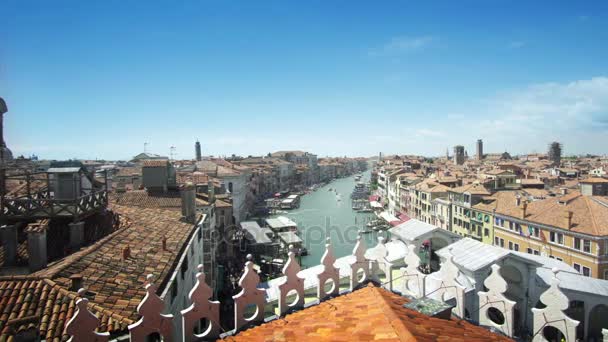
76 282
126 253
524 208
164 243
564 191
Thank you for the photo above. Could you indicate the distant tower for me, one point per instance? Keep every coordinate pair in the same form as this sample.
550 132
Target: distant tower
555 153
479 149
5 153
458 155
447 153
197 150
380 156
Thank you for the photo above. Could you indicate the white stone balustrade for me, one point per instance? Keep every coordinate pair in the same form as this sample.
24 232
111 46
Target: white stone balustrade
152 319
413 279
249 297
82 326
449 287
201 308
359 263
553 314
380 263
495 298
292 282
330 272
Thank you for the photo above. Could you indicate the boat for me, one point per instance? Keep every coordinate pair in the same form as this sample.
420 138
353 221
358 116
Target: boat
330 189
367 231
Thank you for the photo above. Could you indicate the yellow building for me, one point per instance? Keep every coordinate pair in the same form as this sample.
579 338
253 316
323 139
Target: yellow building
463 198
572 228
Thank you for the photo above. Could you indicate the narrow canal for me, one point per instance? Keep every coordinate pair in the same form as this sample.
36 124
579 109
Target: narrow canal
323 212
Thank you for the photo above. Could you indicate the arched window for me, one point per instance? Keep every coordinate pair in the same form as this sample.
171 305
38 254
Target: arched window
230 187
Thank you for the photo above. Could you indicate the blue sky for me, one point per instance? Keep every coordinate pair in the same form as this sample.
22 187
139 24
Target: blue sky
98 79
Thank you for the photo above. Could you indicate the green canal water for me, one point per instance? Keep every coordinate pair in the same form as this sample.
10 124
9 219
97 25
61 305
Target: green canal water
321 214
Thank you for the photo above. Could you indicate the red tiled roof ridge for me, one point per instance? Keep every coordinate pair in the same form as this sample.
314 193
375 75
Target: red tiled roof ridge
394 320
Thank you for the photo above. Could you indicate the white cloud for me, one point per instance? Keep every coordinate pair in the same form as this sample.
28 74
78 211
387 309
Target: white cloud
400 45
516 44
429 133
575 113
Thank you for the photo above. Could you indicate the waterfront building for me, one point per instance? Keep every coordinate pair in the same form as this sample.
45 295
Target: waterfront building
568 228
422 196
462 199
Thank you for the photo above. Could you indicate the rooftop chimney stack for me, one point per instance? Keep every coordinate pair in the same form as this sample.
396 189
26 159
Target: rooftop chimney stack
518 200
568 219
76 282
211 192
564 191
8 236
188 194
524 208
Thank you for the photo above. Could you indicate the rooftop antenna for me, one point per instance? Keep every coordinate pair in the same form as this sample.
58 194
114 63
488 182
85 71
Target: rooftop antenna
172 152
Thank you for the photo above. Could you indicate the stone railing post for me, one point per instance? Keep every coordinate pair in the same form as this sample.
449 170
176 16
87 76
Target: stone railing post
330 272
152 319
81 327
379 263
413 279
553 314
201 308
249 296
292 282
359 263
450 288
495 298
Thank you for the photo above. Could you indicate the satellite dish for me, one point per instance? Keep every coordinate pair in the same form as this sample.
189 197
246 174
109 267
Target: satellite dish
3 108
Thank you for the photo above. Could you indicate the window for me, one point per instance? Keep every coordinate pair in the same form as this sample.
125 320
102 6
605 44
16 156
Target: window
577 267
529 250
558 259
577 243
510 225
502 243
556 238
516 247
586 271
606 274
535 231
496 243
486 232
586 246
510 245
536 252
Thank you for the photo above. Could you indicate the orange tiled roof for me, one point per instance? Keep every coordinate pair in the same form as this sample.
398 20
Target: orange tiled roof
155 163
144 199
42 305
367 314
118 283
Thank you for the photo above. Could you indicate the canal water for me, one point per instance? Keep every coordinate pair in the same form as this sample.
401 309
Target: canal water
323 212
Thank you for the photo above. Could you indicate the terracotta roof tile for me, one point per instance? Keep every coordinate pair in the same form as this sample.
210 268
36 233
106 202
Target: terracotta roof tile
368 314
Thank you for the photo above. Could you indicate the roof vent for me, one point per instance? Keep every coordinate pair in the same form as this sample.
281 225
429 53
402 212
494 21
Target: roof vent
431 307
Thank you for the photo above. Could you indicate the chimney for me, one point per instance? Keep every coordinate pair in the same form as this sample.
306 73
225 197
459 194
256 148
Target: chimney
188 193
518 200
210 192
164 243
524 208
8 235
568 219
76 282
126 253
564 191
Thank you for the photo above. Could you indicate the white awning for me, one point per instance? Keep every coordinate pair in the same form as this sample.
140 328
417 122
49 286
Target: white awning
375 204
388 217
